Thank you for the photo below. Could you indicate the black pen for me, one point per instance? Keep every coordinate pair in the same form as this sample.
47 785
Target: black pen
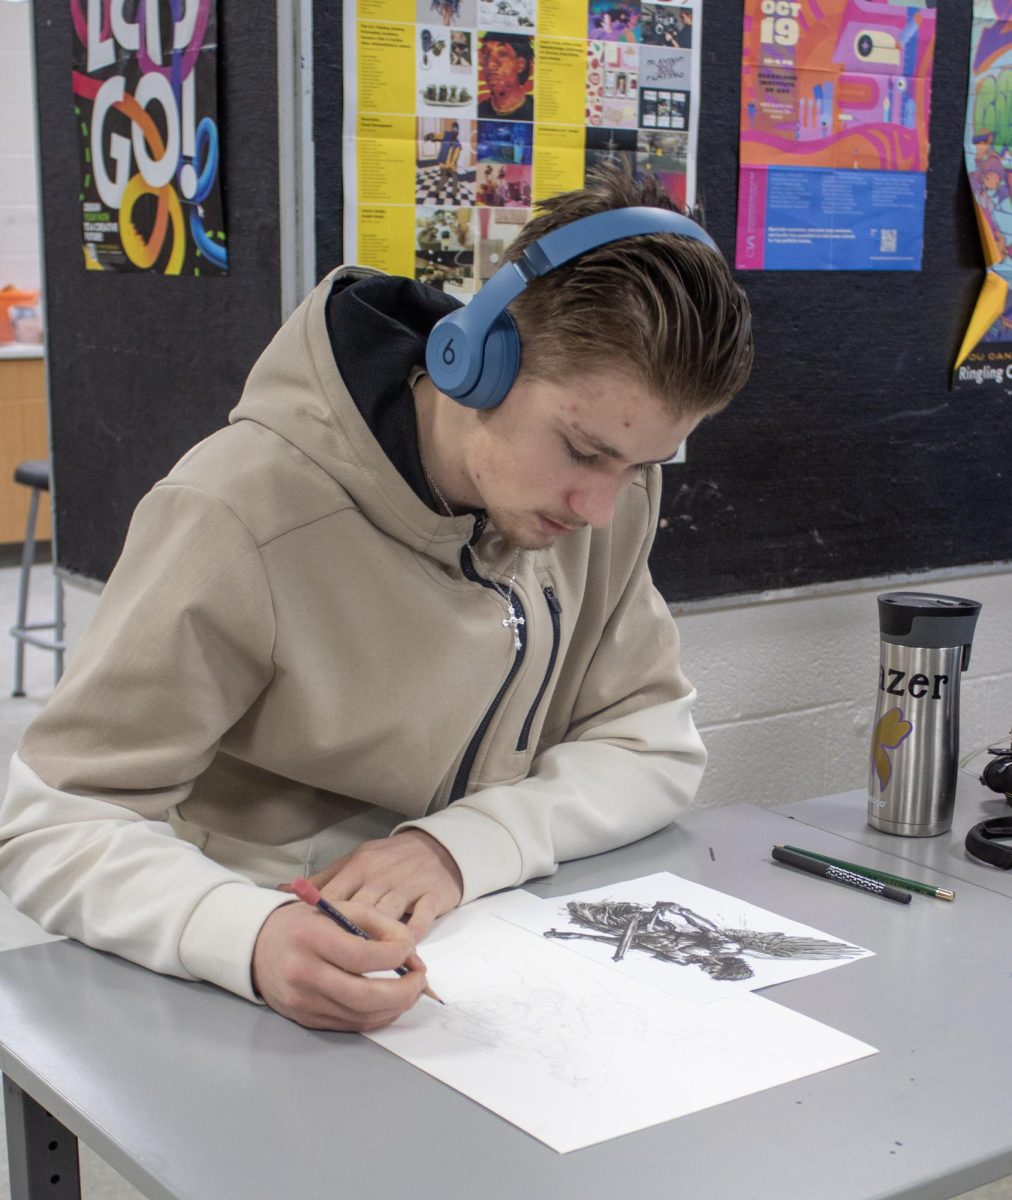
911 885
828 871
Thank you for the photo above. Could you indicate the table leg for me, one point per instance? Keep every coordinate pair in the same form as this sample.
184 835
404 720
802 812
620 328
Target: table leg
42 1153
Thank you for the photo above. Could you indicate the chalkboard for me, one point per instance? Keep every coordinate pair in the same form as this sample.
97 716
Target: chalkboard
143 366
846 457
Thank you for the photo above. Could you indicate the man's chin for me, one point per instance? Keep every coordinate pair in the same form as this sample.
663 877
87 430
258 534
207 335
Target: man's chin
530 532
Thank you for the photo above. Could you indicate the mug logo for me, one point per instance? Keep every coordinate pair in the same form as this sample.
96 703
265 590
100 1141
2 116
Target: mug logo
449 354
892 729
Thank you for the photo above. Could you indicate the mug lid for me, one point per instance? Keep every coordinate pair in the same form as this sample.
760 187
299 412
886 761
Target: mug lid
927 618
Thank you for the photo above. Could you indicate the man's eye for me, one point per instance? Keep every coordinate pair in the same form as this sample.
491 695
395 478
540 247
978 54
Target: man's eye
575 454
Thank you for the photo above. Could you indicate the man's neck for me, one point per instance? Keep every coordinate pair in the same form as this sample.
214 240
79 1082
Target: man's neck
443 426
505 103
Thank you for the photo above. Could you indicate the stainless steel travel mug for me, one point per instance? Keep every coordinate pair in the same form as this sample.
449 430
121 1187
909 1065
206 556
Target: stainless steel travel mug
925 647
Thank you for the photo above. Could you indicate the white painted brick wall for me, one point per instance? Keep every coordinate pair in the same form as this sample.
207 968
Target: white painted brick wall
19 217
787 688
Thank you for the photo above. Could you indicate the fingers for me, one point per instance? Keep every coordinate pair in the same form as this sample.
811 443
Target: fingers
414 963
398 905
335 1000
393 904
426 909
373 998
309 969
322 878
394 873
389 944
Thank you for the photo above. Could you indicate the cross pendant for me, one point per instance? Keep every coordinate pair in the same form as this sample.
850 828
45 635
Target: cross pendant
514 622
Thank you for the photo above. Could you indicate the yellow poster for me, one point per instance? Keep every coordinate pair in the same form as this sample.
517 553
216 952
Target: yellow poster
461 115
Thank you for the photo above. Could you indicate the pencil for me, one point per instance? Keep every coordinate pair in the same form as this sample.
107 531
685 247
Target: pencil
912 885
851 878
310 894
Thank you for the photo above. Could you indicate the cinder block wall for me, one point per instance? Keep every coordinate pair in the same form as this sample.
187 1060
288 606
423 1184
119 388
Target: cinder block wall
19 218
787 688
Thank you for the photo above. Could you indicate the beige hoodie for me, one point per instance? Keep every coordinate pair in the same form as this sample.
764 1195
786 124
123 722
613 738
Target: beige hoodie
295 653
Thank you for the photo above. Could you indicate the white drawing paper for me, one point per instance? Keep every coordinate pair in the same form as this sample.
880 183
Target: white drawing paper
682 937
576 1053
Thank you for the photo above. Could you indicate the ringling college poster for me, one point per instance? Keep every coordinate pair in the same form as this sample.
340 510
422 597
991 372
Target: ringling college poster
835 106
985 357
461 114
145 104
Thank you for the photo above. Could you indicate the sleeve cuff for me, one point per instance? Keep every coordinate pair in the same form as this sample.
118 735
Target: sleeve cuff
217 942
485 851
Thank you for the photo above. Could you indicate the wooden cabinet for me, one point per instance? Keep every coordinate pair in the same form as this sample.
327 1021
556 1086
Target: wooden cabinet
23 434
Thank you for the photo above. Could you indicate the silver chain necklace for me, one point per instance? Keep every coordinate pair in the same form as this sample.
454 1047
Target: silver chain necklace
512 622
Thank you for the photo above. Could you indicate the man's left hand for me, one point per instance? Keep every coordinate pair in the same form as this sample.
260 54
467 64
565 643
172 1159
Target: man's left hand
409 872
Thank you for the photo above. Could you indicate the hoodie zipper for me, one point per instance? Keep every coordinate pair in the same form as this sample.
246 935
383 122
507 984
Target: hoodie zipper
467 762
555 610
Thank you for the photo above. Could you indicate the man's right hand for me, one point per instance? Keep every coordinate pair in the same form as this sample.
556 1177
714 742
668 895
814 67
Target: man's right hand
308 969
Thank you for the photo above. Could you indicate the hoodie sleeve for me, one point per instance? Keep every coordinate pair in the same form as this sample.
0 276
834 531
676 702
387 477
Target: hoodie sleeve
629 763
179 648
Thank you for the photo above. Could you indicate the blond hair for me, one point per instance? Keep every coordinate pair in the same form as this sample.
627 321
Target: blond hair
660 307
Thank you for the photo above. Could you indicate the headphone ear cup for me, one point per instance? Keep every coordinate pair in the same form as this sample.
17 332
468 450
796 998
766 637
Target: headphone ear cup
500 365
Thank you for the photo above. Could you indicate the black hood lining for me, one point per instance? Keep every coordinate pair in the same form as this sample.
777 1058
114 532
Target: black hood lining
378 327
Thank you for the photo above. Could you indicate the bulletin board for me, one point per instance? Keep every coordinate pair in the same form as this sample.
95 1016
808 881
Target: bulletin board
846 457
141 366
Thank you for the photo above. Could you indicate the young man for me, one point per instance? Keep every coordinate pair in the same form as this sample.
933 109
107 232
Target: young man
367 632
505 63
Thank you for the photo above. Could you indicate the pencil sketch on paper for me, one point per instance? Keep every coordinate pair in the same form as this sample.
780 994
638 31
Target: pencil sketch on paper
576 1051
571 1031
555 1034
676 934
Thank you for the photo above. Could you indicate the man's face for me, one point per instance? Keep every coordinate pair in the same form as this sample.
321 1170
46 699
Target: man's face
553 458
501 64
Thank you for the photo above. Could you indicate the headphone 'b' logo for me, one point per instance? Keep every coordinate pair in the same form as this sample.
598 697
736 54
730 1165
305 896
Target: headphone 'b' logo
449 354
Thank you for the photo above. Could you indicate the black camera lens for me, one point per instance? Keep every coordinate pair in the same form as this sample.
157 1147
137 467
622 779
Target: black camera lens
997 775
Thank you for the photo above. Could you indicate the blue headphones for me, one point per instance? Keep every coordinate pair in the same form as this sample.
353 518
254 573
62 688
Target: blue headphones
473 354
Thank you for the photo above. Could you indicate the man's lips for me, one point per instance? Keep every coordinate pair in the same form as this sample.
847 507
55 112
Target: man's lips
556 526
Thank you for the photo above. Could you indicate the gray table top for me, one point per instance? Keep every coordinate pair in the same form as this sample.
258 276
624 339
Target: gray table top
192 1093
846 814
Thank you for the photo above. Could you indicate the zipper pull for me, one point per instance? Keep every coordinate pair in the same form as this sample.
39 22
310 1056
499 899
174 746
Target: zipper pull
553 600
480 521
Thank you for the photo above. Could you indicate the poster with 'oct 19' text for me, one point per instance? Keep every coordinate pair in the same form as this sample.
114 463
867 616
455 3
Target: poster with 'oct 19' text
835 110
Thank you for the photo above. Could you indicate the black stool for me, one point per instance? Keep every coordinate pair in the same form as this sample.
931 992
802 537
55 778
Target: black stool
35 475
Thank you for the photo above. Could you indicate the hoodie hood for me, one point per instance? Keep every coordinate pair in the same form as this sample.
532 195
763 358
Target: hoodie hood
335 382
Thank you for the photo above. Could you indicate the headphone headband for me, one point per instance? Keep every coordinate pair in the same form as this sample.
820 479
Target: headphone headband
982 840
570 241
473 354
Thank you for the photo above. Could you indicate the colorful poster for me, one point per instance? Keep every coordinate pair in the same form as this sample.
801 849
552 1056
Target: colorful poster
145 104
985 356
461 114
835 104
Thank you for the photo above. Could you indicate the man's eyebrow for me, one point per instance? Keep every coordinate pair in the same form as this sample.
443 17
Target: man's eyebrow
610 451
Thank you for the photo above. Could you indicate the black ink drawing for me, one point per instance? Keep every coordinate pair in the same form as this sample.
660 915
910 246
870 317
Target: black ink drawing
673 933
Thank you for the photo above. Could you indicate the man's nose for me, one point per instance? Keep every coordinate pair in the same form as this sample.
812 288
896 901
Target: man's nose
595 503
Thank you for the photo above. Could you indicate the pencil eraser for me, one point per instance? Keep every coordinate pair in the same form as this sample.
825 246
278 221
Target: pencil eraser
306 891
